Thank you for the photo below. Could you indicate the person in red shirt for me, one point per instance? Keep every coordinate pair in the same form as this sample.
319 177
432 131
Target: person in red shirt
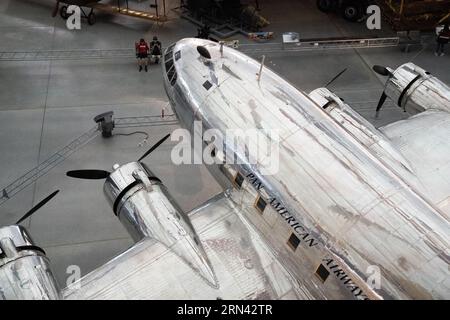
142 50
442 39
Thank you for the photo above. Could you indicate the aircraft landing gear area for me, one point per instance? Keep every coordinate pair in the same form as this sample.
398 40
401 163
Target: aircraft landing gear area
90 16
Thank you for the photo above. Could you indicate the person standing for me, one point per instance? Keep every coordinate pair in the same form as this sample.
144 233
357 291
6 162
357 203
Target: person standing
155 49
442 39
142 50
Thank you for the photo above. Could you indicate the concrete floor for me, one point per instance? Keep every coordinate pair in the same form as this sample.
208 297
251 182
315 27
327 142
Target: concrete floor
45 104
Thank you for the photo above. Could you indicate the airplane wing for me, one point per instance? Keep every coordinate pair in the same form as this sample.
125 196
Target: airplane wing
424 141
244 266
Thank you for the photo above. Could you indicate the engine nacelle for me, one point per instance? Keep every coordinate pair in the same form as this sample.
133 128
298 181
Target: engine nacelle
137 198
362 130
415 90
145 208
25 272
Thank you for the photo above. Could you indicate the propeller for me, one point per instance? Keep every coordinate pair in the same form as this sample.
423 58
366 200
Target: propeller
156 145
55 11
334 79
380 104
93 174
385 72
37 207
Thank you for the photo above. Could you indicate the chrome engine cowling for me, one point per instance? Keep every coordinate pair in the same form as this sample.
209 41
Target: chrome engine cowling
361 129
415 90
137 196
25 272
146 209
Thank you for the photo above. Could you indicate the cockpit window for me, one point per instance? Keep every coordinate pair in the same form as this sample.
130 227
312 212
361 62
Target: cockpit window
171 74
177 55
169 66
168 53
174 79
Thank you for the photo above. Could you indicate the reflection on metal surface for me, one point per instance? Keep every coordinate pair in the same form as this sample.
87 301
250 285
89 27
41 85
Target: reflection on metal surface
415 90
24 269
342 185
245 267
143 205
347 198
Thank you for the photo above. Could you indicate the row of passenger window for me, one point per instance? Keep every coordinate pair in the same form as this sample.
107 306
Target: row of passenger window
293 242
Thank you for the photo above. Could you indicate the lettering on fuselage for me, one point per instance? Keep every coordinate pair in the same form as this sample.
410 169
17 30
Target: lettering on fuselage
342 276
254 181
284 213
306 237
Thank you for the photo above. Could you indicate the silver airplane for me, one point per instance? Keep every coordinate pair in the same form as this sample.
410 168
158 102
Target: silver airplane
349 203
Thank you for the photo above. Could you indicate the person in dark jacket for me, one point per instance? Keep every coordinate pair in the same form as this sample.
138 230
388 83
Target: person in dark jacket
442 39
155 49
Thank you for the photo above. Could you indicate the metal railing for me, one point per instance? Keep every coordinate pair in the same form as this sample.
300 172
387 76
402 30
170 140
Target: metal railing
252 48
34 174
146 121
310 45
74 54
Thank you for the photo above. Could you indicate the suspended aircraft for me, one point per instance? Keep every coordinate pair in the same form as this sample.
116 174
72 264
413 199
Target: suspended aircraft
352 211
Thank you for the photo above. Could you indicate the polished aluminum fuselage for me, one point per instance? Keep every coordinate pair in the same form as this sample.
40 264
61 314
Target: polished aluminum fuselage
351 198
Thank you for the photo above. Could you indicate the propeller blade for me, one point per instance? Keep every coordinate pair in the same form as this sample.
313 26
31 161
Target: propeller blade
383 71
380 104
156 145
337 76
37 207
88 174
55 11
